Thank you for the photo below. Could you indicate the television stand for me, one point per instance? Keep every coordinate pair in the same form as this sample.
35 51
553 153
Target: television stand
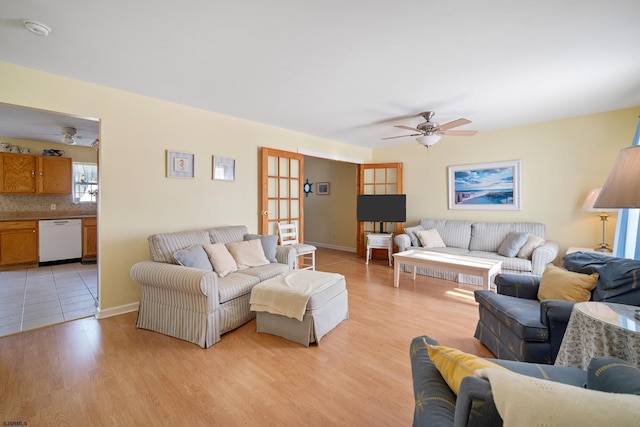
380 241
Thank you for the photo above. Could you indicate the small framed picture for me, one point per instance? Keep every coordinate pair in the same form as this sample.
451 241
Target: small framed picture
179 165
224 168
323 188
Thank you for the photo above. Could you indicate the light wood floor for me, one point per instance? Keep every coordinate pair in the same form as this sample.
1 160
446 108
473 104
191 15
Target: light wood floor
108 373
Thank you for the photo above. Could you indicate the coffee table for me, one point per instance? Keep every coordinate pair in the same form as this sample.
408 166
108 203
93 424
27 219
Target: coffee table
486 268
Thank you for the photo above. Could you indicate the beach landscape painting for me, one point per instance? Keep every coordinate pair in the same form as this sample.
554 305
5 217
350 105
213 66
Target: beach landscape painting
488 186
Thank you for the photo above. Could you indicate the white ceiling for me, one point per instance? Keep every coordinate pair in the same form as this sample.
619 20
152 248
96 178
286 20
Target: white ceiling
346 70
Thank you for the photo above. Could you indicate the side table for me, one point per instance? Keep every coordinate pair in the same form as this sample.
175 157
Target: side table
600 329
379 241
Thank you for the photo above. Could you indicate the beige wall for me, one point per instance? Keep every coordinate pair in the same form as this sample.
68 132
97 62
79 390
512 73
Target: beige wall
135 198
560 160
330 220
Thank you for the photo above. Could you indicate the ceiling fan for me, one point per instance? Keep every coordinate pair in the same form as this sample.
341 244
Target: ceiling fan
430 132
69 135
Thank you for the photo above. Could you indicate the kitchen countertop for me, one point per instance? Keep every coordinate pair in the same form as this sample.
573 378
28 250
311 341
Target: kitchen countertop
28 216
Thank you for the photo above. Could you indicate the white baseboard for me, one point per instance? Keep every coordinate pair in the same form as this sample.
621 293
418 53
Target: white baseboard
114 311
328 246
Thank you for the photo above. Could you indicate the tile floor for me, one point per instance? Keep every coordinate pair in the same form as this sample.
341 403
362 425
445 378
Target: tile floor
37 297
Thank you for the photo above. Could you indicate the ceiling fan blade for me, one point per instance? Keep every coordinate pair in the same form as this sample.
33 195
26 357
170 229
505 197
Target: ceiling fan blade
402 136
461 132
454 124
407 128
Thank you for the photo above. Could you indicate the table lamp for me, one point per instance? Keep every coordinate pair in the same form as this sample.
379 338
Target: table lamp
588 207
622 187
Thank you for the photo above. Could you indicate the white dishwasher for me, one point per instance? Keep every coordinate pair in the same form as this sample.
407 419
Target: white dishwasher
60 239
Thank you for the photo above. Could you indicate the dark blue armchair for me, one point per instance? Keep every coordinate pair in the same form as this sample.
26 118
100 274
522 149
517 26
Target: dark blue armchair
515 325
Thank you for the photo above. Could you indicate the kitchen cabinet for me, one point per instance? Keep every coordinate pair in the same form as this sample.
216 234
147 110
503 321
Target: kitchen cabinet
18 242
89 238
28 174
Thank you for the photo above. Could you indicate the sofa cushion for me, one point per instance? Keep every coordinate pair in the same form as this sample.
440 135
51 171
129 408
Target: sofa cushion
613 375
430 238
618 281
522 316
235 285
266 271
532 243
411 232
228 234
269 243
525 401
454 233
488 236
454 364
221 259
558 283
247 254
163 245
512 244
508 264
195 257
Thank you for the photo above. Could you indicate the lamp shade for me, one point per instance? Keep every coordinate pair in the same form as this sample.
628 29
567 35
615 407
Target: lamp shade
428 140
622 187
590 201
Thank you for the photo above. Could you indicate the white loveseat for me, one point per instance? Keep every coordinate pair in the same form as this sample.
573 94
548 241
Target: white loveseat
480 240
197 305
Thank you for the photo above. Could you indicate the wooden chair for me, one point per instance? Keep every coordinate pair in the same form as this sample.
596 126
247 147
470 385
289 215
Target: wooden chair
289 237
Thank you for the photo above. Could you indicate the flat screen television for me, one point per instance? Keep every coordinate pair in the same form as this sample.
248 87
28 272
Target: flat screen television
382 208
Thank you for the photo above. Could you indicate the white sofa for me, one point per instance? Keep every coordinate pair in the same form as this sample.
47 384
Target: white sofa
480 240
198 305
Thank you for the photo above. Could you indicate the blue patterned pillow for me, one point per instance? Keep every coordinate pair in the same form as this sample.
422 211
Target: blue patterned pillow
512 244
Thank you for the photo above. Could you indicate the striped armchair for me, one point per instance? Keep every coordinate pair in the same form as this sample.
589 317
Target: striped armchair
193 304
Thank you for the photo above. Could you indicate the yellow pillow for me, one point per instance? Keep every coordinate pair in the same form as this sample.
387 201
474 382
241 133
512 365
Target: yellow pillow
454 364
558 283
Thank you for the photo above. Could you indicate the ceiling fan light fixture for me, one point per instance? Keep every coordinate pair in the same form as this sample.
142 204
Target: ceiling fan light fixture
428 140
37 28
69 140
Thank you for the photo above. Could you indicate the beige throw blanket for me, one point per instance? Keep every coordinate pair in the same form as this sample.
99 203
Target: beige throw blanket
288 294
524 401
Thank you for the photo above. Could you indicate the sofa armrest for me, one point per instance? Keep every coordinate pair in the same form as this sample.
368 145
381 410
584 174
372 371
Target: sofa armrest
544 255
555 315
286 255
176 279
475 406
518 285
403 242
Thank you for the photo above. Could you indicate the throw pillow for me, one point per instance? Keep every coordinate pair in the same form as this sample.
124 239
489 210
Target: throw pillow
222 261
454 364
411 232
512 244
532 243
613 375
195 257
269 243
525 401
558 283
430 238
248 254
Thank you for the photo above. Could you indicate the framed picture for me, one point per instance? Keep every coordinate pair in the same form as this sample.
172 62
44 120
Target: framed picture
179 165
224 168
322 188
488 186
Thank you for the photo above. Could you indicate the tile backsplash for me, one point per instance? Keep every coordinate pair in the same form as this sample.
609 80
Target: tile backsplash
42 203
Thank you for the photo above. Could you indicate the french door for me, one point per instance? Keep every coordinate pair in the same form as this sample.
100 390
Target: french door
281 174
378 178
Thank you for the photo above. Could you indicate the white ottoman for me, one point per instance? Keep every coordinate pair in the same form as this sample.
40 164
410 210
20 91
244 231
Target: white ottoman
326 305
